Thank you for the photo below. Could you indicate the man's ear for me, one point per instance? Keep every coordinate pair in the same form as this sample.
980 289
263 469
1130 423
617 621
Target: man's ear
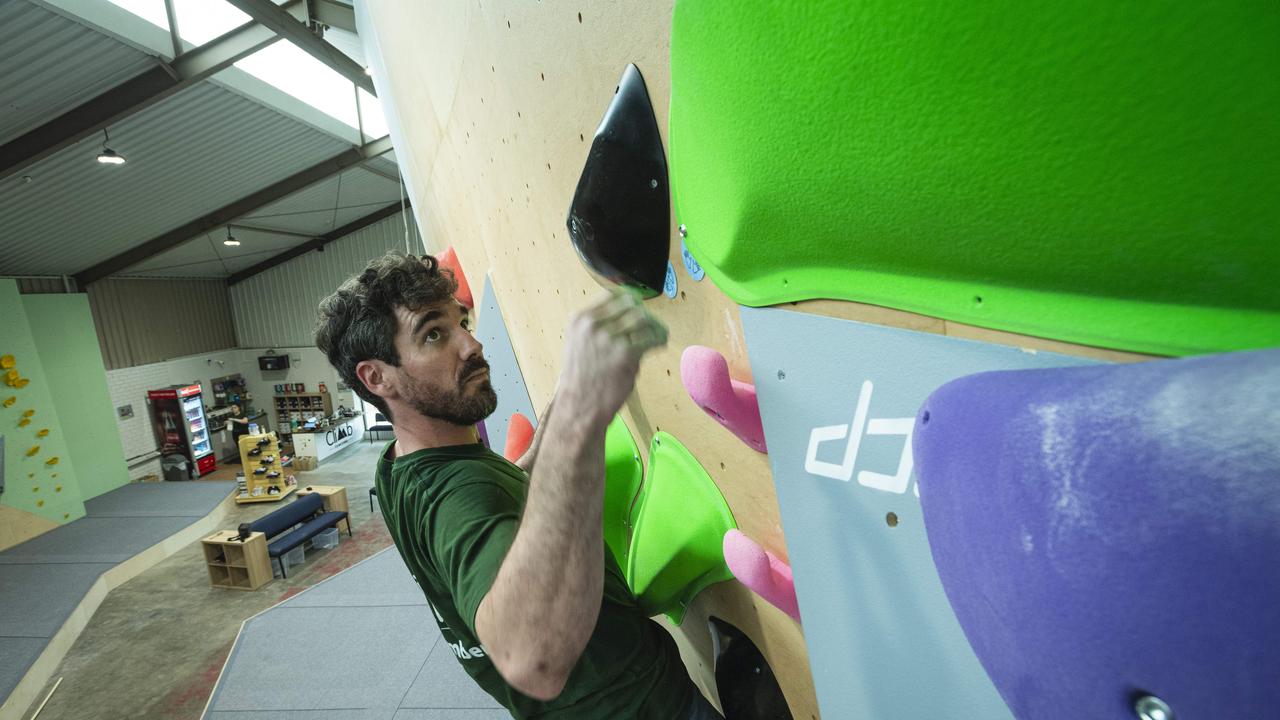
376 376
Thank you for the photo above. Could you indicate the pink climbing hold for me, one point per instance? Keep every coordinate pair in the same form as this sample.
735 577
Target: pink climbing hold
705 375
762 572
449 261
519 437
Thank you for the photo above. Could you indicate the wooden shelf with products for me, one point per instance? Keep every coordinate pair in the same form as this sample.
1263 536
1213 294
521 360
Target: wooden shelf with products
236 564
264 479
299 406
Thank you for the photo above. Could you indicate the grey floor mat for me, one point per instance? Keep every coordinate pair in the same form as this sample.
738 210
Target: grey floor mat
192 499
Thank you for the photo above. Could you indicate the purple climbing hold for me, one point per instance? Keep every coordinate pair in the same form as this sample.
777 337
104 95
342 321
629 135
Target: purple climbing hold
1110 532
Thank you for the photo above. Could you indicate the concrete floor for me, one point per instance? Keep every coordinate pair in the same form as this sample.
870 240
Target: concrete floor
156 645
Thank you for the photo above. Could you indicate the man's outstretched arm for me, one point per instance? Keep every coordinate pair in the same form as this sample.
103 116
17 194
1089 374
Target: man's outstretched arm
543 605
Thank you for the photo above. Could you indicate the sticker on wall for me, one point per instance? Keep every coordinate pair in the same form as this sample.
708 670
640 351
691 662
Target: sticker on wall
691 265
838 425
669 284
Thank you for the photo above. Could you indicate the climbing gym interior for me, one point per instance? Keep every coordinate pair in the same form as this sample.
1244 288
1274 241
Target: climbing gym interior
968 407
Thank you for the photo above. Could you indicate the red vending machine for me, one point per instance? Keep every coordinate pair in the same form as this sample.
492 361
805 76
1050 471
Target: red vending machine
182 432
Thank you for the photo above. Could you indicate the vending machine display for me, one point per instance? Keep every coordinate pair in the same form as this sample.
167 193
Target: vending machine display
182 431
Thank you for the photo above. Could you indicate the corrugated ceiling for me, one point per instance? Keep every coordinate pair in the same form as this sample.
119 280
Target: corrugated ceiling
187 156
51 64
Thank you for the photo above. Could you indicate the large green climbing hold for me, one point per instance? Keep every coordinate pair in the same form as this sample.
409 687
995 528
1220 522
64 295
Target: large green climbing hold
1098 172
677 544
623 478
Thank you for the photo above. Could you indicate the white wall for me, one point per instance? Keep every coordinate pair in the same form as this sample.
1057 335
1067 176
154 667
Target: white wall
277 308
129 386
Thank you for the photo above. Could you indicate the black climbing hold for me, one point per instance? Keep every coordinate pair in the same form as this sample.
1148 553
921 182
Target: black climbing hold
620 218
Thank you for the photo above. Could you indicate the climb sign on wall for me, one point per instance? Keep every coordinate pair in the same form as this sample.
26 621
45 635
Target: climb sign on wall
882 638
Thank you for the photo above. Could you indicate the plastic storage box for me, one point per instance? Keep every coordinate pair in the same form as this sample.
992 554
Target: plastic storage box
288 560
325 540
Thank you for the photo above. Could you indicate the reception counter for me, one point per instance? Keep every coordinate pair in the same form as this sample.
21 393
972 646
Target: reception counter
325 441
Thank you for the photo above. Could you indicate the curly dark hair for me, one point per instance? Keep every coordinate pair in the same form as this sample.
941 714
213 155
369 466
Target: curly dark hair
358 321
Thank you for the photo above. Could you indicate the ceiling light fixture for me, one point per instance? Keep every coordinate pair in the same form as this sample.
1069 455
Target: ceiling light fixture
230 241
109 156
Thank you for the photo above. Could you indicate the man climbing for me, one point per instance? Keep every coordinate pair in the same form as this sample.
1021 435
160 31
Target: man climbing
510 556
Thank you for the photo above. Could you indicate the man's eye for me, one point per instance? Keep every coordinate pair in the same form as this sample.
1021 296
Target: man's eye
432 335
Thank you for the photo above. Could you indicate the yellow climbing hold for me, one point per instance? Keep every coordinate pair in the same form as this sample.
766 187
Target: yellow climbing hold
54 475
24 422
28 413
43 432
22 382
33 450
9 401
66 515
39 503
52 461
35 488
7 361
57 488
12 376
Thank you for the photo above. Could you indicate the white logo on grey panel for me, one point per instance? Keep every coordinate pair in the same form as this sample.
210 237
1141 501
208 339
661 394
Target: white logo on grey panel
852 433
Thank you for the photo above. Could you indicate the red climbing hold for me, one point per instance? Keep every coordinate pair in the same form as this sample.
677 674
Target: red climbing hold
519 436
449 261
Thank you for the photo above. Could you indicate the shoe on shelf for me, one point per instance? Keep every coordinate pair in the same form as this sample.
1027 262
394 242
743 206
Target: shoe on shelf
259 471
256 451
273 474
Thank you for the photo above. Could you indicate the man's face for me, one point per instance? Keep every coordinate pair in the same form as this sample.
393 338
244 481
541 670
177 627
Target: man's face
443 373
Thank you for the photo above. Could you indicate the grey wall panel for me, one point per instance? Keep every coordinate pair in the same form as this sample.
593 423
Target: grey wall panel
277 308
146 321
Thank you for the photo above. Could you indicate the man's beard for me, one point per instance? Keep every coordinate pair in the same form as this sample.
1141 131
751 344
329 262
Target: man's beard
455 405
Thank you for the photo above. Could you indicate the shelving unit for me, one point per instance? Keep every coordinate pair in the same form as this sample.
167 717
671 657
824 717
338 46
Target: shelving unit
234 564
299 406
262 452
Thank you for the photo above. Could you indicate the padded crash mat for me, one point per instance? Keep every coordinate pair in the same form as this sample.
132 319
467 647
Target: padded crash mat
1098 172
1113 531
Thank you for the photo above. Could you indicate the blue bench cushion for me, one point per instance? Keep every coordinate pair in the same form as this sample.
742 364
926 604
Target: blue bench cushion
300 510
309 530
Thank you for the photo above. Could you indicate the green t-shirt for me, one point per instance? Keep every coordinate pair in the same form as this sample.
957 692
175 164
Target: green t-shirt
453 513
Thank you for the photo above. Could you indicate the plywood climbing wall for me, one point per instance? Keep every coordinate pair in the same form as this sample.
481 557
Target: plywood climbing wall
493 105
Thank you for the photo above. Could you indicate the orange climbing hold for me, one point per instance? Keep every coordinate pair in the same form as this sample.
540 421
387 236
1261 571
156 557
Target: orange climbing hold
449 261
519 437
